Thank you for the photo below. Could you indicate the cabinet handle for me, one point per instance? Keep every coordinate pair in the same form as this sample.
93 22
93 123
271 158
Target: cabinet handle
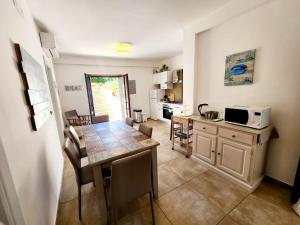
233 136
203 128
212 151
219 153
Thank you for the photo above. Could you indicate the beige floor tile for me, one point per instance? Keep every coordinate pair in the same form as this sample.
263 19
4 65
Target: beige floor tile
167 180
257 211
164 156
274 193
134 206
144 217
223 193
185 168
185 206
69 212
227 221
69 189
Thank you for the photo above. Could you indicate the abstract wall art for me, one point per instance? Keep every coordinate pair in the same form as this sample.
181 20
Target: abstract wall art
239 68
36 88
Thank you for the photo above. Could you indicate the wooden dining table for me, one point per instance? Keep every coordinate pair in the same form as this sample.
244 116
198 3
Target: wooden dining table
109 141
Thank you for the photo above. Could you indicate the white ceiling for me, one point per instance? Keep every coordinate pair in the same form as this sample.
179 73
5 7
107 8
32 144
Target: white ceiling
90 27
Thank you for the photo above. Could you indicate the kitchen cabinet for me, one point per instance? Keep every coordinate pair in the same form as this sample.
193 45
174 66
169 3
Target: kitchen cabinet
238 153
166 80
204 146
234 158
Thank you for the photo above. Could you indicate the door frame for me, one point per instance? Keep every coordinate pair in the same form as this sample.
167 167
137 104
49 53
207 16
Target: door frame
90 93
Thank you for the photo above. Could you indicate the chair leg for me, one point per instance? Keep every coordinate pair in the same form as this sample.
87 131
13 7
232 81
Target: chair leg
115 216
152 210
79 202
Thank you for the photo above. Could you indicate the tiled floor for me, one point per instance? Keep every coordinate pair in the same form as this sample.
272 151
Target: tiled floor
188 194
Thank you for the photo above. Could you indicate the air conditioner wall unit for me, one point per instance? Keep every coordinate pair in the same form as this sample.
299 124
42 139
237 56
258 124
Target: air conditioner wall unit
49 45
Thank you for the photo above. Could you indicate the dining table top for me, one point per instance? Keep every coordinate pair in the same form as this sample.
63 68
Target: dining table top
113 140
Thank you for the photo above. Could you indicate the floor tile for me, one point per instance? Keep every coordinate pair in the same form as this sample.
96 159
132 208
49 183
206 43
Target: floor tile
164 156
167 180
69 189
184 206
257 211
227 220
218 190
185 168
274 193
144 217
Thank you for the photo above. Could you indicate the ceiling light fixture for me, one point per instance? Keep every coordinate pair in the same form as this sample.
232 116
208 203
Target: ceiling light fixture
123 47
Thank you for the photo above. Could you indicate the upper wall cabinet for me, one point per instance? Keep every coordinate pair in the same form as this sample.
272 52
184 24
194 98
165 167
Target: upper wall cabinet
166 80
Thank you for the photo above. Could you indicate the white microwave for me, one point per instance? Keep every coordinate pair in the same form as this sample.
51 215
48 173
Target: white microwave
254 117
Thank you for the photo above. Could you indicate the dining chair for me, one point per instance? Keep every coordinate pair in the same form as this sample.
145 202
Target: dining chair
80 144
146 130
129 121
100 119
84 175
74 119
131 178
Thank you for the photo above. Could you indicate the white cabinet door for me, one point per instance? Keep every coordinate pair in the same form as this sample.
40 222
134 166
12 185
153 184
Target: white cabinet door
153 109
204 146
234 158
166 80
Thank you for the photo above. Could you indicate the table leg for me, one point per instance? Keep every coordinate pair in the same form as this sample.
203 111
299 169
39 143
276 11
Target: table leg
154 172
100 194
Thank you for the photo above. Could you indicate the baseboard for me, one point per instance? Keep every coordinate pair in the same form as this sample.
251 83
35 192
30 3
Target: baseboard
277 182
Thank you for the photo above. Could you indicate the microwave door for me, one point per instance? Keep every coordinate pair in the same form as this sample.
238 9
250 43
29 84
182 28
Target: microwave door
239 116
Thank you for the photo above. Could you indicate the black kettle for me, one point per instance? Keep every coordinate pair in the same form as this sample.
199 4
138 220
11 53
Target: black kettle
200 109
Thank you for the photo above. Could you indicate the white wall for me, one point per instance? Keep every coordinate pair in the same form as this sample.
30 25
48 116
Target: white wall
34 158
232 9
273 29
70 70
174 63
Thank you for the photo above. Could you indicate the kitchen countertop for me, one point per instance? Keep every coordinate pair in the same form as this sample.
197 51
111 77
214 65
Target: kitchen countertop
231 126
171 103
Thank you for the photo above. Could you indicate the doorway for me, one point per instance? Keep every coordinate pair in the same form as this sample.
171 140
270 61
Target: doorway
108 95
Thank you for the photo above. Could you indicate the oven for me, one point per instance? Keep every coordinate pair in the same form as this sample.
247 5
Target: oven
167 112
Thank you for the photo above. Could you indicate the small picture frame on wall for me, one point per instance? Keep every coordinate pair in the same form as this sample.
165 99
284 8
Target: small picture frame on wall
239 68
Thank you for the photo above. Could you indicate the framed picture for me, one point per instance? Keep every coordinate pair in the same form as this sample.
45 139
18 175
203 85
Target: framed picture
239 68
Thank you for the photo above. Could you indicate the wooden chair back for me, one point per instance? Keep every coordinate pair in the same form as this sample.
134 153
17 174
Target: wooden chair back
74 136
146 130
74 156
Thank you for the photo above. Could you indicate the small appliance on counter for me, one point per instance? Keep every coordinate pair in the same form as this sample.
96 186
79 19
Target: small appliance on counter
254 117
211 115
